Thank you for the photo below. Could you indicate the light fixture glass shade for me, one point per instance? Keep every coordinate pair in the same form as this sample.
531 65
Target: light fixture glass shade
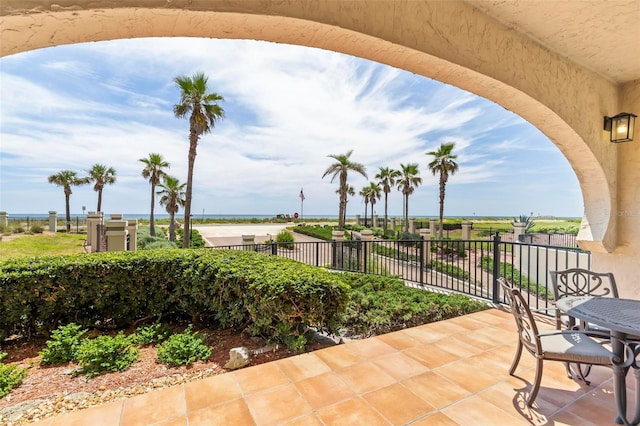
621 126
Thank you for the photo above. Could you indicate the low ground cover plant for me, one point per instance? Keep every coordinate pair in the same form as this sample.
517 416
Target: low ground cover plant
106 353
10 376
286 240
184 348
63 344
151 334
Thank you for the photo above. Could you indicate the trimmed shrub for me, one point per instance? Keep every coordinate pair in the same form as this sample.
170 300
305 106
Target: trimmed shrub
37 229
106 353
184 348
63 345
276 297
286 239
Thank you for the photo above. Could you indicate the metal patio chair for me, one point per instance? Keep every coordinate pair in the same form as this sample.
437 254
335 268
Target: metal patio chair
568 346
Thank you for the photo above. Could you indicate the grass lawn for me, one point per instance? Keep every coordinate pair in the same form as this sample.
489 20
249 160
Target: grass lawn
42 245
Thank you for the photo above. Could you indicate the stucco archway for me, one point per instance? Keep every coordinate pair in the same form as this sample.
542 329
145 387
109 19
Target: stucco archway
448 41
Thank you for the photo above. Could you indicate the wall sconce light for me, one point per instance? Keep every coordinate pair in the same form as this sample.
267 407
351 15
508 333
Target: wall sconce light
621 127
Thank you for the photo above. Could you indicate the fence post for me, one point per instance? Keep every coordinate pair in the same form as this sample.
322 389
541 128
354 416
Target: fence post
53 221
336 257
425 251
317 253
367 238
466 232
249 242
496 266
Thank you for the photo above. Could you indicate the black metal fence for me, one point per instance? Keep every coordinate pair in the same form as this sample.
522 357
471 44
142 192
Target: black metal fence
465 266
562 240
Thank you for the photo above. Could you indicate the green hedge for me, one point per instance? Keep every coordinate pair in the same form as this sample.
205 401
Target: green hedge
271 296
381 304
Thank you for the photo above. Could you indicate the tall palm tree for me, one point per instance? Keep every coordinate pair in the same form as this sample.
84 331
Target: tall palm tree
365 193
154 166
340 169
172 196
203 111
407 183
101 175
374 195
443 164
67 179
350 192
387 180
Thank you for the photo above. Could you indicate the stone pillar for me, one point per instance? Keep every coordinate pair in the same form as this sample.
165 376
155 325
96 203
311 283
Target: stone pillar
412 226
393 224
466 233
366 237
116 216
375 221
358 219
4 219
249 241
426 247
132 228
518 229
337 238
93 220
433 226
116 232
53 221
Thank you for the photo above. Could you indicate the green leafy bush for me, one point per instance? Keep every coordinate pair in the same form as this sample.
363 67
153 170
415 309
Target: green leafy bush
106 353
10 376
63 344
184 348
286 239
380 304
195 239
322 232
154 333
37 229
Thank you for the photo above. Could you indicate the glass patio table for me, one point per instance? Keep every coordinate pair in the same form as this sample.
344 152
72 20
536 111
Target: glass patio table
622 317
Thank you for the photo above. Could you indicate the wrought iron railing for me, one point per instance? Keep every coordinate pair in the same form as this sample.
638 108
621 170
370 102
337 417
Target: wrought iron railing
471 267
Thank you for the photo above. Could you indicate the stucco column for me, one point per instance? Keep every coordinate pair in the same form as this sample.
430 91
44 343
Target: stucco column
466 232
518 229
357 219
53 221
116 232
412 226
366 237
393 224
4 219
337 238
375 220
425 234
93 220
433 226
132 228
116 216
248 241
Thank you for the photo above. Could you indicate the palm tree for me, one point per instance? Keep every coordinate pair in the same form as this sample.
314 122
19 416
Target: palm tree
153 170
407 183
444 164
340 170
365 193
67 179
203 111
374 195
101 175
387 179
351 192
172 196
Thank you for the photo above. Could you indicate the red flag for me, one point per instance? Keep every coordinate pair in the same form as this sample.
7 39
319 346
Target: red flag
301 195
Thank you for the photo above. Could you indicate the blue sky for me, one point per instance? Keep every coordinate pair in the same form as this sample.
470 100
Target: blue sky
287 108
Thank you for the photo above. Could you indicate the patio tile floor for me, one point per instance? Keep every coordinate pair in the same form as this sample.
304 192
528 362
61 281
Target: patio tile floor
453 372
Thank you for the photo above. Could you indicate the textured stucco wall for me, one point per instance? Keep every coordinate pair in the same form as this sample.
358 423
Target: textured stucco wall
448 41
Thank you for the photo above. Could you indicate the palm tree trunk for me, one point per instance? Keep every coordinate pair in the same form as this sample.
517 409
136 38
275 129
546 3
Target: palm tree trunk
99 200
193 143
385 211
172 227
406 213
442 184
365 213
68 211
152 224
